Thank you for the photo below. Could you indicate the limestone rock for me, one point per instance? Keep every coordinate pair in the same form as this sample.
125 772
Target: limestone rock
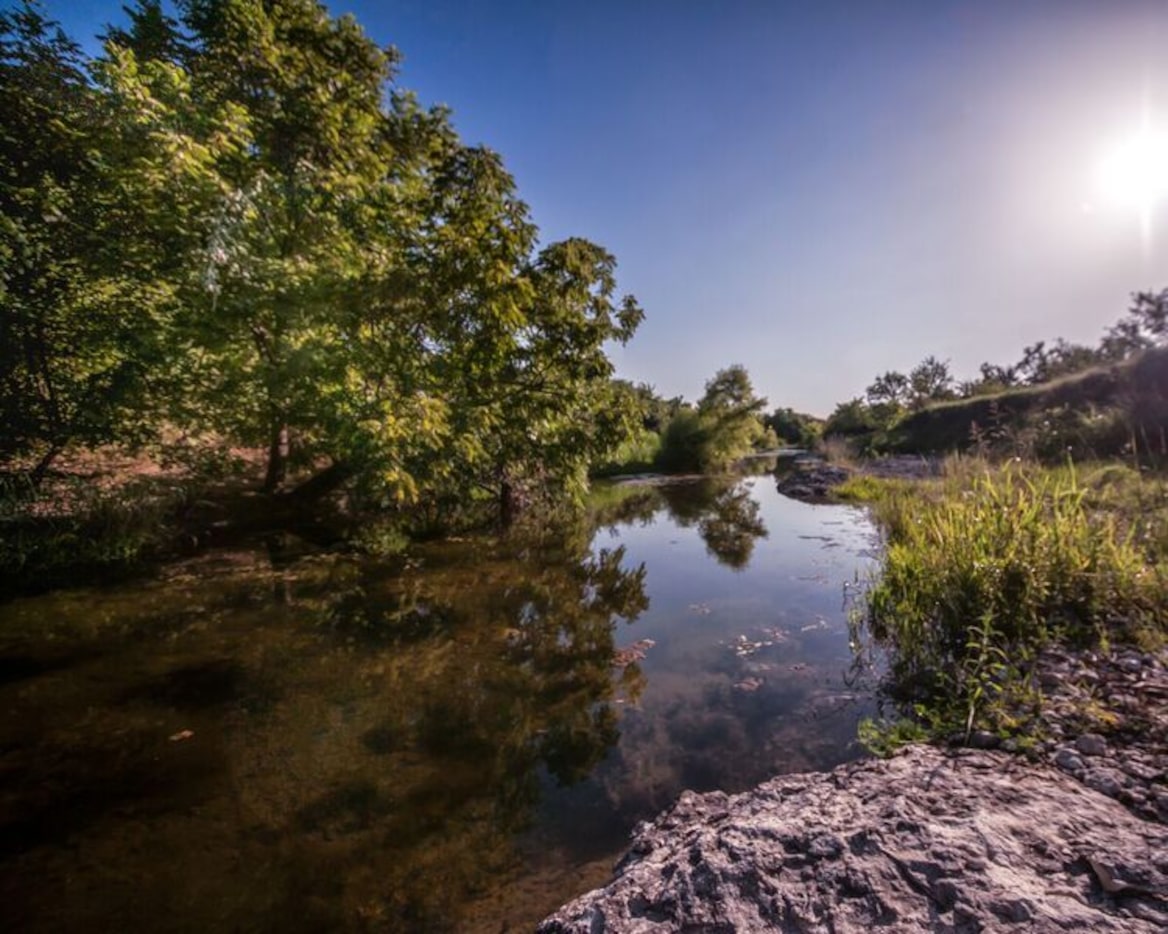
931 839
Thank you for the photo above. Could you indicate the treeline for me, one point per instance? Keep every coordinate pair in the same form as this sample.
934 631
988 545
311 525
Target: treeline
727 423
236 226
894 397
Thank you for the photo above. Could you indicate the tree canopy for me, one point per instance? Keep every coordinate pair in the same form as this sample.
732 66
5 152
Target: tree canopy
238 223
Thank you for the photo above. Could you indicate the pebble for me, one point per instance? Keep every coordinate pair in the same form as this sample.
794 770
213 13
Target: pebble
1091 744
984 739
1105 721
1105 781
1068 760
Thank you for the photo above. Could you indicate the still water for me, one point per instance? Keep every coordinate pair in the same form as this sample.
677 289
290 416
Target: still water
455 739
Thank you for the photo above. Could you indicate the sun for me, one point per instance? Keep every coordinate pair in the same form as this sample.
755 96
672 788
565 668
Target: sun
1133 173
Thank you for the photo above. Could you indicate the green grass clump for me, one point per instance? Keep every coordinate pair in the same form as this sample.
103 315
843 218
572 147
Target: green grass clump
987 565
78 531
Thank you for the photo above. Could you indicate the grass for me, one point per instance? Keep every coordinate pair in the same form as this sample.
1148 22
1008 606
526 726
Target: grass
988 564
79 530
637 455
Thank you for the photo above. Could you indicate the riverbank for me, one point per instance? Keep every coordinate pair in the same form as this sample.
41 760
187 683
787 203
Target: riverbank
1070 834
812 479
964 840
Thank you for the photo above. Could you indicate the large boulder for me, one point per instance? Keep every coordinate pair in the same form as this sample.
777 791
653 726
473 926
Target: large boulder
930 839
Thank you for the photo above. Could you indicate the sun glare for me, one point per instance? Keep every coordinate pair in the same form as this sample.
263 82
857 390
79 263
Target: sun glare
1134 172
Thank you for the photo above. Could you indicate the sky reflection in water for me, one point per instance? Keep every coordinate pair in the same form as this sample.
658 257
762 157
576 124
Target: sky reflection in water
439 741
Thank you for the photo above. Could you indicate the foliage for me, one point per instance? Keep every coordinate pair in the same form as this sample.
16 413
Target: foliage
639 454
985 567
236 223
655 411
725 426
79 530
78 308
929 381
1118 410
794 428
1144 326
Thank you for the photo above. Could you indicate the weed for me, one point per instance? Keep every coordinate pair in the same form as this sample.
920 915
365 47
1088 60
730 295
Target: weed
985 566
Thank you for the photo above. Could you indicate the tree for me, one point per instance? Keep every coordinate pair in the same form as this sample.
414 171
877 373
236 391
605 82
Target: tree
723 427
851 418
1144 326
79 307
655 411
152 36
531 392
367 298
930 381
731 414
891 389
305 259
794 428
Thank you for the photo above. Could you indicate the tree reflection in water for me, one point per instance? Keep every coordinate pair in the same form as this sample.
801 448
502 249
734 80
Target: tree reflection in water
354 754
494 672
727 517
333 743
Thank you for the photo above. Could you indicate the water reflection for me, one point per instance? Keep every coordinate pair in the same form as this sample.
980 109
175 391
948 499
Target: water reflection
727 516
454 739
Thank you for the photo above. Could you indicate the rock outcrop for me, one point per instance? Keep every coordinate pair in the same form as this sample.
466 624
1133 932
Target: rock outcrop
812 479
931 840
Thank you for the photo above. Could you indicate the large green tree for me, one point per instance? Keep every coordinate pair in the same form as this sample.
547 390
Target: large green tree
365 298
80 315
235 222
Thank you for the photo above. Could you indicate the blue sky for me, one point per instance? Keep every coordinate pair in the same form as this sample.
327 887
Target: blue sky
818 190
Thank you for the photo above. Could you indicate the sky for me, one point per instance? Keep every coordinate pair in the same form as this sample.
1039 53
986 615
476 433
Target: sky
820 191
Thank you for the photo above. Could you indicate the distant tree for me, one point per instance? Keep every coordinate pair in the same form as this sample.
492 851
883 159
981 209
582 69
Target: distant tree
1144 326
1066 358
1041 364
725 425
889 389
794 428
654 410
1034 365
992 379
930 381
851 418
732 414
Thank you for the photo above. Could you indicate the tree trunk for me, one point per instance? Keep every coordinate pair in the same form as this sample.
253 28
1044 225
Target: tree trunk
42 467
277 460
323 483
509 504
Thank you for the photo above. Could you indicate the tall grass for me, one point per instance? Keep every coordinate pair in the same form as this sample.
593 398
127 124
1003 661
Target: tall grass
79 530
986 566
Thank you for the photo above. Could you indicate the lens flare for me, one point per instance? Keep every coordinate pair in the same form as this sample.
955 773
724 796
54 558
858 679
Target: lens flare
1134 172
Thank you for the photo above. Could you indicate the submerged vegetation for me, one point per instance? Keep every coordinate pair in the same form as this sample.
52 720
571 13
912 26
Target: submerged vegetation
989 564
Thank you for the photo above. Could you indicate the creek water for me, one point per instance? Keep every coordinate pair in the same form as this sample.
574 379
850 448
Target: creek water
457 738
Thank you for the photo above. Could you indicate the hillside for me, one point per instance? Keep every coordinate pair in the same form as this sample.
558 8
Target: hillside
1097 412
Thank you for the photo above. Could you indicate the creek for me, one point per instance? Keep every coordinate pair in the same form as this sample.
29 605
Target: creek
460 737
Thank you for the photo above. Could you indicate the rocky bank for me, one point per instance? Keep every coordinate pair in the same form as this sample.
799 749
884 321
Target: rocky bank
812 479
931 839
